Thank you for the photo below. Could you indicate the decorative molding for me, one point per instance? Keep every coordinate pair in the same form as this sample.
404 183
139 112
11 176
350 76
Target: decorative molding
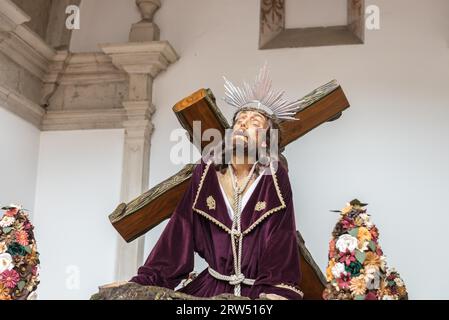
91 68
273 34
21 106
20 43
84 119
141 57
11 16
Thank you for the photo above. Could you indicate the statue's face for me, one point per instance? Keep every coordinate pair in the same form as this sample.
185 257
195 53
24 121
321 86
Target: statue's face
247 127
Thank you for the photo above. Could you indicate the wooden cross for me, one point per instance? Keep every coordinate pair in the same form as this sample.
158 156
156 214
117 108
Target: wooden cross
145 212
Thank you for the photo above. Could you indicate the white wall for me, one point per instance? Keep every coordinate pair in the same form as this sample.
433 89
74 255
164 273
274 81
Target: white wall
78 186
19 146
103 21
389 149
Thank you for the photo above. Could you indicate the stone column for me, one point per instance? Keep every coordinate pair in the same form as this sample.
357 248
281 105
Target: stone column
142 62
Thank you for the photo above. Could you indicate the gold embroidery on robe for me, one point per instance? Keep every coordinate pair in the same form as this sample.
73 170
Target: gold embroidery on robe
210 202
260 206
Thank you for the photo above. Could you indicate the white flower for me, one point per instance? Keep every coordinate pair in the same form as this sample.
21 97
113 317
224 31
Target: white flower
338 269
7 221
17 206
388 297
399 282
346 242
366 220
32 296
5 262
3 247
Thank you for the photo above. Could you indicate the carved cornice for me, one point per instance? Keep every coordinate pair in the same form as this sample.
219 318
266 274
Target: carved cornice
20 44
84 119
141 57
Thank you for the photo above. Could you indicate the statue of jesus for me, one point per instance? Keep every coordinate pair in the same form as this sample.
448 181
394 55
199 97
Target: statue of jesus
237 213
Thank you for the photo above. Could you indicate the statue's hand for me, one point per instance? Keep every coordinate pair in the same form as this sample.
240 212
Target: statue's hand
271 296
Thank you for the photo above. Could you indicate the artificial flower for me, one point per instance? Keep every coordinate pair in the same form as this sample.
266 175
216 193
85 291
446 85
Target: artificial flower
3 247
4 293
372 278
399 282
346 242
354 268
344 281
22 237
358 285
9 278
372 260
16 249
329 275
363 234
363 245
371 296
346 209
374 233
11 212
32 296
6 262
346 257
7 221
347 224
338 269
331 248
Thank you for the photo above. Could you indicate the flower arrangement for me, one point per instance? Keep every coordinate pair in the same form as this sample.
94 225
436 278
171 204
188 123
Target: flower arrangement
19 259
357 268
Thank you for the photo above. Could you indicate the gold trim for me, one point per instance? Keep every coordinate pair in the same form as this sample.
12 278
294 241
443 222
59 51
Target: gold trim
210 201
269 212
289 287
201 212
260 205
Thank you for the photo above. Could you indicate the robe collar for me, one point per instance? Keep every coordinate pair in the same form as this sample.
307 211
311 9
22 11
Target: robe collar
265 200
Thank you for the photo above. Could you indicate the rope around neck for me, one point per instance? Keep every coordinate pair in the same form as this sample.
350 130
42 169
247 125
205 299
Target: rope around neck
236 230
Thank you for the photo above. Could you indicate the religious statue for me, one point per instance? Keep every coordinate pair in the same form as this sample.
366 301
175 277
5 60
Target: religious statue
234 207
238 215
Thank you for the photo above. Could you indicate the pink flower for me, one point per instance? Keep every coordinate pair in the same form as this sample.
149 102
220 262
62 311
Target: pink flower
371 296
22 237
379 251
347 224
344 281
347 257
9 278
11 212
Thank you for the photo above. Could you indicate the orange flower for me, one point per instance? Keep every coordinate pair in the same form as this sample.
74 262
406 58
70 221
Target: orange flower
329 275
402 292
332 248
22 237
4 293
372 260
363 234
346 209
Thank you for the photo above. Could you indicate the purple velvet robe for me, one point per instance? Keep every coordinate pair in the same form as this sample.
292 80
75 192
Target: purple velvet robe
270 251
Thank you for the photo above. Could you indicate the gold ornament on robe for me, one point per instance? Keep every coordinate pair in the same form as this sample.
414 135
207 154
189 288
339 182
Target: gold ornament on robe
260 206
210 202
